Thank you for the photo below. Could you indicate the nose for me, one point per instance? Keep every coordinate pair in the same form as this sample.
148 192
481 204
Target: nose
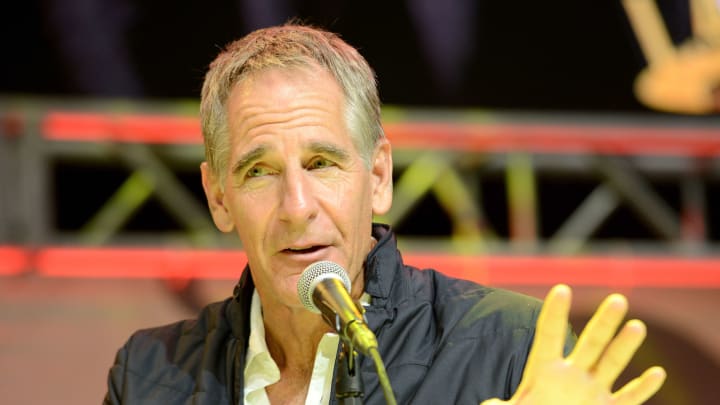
299 202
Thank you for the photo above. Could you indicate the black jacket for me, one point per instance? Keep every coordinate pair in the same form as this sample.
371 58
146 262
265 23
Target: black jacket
443 341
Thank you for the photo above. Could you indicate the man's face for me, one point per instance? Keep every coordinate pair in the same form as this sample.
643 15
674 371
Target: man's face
296 188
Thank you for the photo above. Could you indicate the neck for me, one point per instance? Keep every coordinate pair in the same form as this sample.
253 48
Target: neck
292 336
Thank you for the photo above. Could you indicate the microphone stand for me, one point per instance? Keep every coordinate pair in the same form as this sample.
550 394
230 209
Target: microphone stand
349 389
348 383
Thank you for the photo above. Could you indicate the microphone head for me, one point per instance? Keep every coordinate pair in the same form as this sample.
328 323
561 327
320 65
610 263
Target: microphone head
313 275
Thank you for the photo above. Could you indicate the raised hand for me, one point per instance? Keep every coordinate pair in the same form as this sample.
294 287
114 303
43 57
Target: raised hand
585 376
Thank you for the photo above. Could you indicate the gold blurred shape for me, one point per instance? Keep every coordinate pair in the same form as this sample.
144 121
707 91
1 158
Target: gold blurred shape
683 79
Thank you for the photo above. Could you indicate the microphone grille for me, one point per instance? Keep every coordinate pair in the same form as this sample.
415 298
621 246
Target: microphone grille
313 275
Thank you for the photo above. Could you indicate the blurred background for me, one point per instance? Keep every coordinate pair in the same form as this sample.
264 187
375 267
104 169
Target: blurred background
534 143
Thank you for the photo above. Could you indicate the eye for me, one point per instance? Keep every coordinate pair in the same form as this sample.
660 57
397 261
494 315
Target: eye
320 163
257 171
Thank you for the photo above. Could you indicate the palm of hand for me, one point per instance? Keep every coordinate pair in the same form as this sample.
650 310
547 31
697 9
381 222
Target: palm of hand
585 376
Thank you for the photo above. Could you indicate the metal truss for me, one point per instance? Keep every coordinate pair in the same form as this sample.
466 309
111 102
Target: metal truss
439 155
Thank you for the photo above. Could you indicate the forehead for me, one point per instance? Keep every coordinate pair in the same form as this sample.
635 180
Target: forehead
281 97
285 101
282 85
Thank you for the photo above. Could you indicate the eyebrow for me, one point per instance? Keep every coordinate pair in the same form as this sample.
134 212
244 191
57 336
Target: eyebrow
329 149
248 158
256 153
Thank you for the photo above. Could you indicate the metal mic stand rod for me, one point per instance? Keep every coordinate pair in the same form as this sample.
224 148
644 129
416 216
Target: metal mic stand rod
348 383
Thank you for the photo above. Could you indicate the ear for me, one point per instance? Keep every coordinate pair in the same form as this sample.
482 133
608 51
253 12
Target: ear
216 199
381 177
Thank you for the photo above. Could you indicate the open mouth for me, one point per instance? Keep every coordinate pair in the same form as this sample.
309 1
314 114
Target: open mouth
310 249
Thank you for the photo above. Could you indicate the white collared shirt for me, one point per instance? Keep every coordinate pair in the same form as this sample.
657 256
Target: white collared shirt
262 371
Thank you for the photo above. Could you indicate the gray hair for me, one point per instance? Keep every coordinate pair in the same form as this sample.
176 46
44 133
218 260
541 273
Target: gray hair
289 46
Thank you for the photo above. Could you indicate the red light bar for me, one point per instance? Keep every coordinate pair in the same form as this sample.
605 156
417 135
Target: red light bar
13 260
609 271
87 127
558 138
612 271
139 263
542 138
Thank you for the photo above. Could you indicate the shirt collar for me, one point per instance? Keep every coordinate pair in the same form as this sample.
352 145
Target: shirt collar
260 368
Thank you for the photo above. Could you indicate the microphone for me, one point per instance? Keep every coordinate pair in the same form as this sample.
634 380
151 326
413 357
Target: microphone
323 288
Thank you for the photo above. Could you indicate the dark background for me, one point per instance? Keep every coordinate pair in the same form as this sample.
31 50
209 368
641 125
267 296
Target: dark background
559 55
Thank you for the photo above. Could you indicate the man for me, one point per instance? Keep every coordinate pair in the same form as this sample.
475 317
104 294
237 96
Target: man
297 165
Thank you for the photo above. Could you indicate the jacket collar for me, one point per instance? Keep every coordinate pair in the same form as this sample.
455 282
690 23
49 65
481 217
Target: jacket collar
238 311
381 263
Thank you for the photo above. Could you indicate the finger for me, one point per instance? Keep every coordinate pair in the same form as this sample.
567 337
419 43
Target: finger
494 401
551 329
619 353
641 388
599 331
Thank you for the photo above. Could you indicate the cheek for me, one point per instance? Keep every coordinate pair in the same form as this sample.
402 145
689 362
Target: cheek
356 207
249 212
333 191
352 198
